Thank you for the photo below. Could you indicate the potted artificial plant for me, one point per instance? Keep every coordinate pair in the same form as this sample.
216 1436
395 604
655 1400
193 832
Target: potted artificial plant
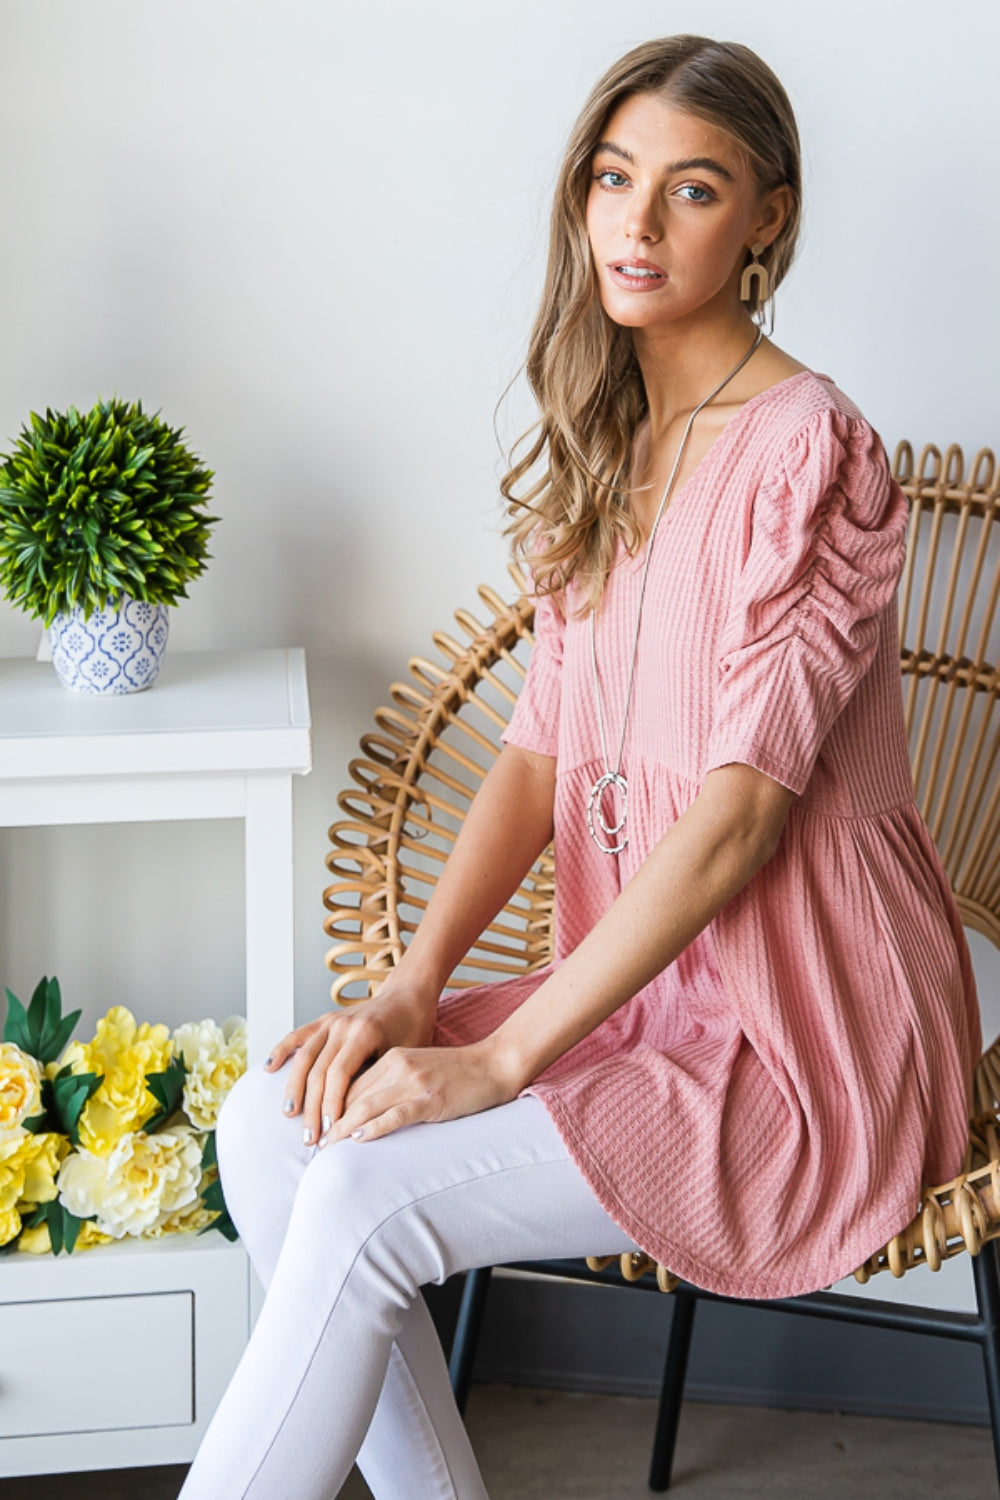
102 524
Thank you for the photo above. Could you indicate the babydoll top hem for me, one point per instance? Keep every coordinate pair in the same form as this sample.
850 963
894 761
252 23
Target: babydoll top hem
861 1244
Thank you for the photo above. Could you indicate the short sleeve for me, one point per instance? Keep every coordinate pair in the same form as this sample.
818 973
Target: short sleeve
826 549
534 724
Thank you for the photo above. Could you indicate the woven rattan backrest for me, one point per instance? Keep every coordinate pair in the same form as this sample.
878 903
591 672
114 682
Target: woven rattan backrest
949 597
419 770
415 780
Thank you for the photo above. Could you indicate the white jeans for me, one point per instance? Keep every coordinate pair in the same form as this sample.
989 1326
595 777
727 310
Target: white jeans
344 1362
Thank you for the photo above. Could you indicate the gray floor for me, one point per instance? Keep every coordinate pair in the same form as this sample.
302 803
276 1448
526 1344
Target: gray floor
545 1445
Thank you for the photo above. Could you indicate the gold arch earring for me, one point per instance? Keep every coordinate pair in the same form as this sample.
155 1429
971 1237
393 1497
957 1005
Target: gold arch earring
758 272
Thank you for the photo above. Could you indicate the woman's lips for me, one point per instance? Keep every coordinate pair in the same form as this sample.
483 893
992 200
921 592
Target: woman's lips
636 275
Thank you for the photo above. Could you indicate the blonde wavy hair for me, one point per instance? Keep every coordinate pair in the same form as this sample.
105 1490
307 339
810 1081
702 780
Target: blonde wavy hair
582 366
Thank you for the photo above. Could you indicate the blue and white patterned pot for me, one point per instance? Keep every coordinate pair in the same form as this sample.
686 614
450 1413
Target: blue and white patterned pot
115 650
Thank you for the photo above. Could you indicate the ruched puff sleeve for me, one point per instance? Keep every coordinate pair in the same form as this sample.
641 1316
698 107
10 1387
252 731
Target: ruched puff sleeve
826 549
534 724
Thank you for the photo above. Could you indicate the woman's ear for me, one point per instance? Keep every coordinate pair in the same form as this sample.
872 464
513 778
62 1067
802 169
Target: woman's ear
776 205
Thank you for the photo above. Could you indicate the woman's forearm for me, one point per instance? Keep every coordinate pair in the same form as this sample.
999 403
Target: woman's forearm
727 833
508 825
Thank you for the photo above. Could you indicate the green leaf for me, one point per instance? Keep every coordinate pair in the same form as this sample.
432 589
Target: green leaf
41 1030
212 1199
53 1214
71 1228
167 1089
208 1156
64 1227
48 1119
38 1007
56 1029
54 1046
16 1025
70 1094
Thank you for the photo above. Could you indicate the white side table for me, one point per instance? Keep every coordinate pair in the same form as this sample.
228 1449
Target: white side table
118 1356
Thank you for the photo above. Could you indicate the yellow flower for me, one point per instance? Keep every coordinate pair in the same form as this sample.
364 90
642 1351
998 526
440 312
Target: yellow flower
90 1235
29 1162
41 1169
20 1089
10 1225
138 1185
188 1221
215 1057
122 1053
14 1155
36 1241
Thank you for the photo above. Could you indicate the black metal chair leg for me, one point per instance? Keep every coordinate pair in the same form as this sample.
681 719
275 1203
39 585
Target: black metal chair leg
470 1321
672 1394
986 1273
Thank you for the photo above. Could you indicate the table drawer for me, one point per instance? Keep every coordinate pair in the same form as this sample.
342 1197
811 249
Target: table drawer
89 1364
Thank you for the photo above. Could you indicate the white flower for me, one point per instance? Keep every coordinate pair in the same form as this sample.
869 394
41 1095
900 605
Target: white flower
20 1090
144 1180
215 1057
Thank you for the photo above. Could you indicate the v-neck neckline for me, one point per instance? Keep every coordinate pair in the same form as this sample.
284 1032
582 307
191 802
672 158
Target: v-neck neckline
630 563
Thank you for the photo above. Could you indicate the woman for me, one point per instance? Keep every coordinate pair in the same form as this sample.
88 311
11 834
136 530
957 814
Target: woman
761 977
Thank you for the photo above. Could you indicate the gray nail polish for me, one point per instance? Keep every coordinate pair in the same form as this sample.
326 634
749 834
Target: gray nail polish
327 1122
307 1135
288 1106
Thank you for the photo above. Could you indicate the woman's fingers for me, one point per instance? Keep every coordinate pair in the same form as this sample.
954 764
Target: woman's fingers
328 1056
309 1038
299 1068
327 1085
379 1113
294 1040
325 1090
342 1091
402 1088
409 1085
289 1043
346 1082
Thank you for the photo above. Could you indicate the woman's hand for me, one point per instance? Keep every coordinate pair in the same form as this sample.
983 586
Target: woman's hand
331 1051
413 1084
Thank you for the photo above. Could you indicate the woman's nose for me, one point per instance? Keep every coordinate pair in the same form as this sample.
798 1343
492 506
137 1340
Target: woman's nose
643 219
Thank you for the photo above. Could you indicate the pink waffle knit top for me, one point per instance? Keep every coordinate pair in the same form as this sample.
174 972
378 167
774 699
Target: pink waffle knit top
760 1117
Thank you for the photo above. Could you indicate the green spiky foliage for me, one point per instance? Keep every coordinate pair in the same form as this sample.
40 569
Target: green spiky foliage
100 505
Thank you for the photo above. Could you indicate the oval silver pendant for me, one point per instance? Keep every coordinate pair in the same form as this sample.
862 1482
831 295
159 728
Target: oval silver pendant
614 831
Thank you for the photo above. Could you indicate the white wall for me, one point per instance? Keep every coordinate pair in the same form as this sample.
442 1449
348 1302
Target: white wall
313 234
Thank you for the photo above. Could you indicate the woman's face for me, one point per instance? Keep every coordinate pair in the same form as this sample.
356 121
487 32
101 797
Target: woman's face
671 209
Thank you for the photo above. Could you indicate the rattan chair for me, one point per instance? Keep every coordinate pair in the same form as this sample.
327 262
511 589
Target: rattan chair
431 749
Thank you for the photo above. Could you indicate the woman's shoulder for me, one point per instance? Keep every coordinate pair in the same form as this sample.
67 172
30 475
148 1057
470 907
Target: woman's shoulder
806 402
807 426
818 456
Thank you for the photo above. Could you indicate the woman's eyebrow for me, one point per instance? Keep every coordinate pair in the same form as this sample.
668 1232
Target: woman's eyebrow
615 150
704 163
689 163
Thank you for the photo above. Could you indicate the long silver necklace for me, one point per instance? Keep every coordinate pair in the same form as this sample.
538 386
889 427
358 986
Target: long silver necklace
612 785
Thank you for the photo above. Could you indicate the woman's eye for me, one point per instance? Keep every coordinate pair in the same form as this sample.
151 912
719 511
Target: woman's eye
610 178
695 193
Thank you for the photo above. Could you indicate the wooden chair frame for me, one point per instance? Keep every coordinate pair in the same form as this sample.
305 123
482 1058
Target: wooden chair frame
431 748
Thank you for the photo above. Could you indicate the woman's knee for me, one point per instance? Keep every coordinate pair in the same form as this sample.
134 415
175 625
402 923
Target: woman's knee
368 1219
349 1189
379 1202
251 1117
